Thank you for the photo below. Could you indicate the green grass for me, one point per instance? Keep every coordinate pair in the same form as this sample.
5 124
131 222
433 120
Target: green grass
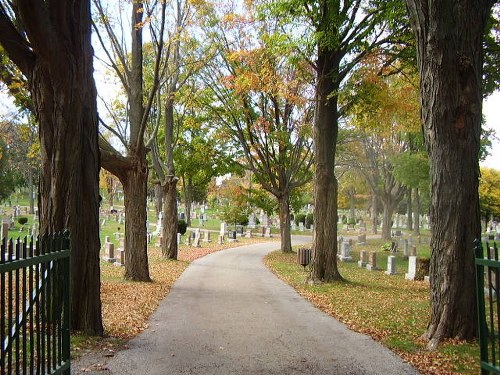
391 309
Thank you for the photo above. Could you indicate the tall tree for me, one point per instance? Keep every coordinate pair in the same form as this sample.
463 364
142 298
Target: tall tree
263 96
50 42
131 168
451 63
345 31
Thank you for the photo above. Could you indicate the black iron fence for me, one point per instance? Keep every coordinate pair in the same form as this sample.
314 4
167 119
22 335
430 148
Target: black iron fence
35 305
488 307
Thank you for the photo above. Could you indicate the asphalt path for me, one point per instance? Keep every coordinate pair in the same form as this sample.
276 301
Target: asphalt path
228 314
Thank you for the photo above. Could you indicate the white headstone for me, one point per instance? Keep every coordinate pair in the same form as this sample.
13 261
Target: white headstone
391 265
223 228
412 268
345 253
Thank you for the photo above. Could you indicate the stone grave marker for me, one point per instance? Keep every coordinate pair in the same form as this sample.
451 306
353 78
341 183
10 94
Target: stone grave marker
232 236
372 261
249 233
345 253
363 258
412 268
206 236
179 238
362 239
220 240
301 226
223 228
121 258
268 233
391 265
109 255
196 241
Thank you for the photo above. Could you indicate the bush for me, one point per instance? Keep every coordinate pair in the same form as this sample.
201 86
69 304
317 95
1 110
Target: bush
181 226
243 221
22 220
309 220
300 218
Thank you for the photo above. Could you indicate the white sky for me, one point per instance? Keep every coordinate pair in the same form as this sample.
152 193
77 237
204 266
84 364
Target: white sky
491 111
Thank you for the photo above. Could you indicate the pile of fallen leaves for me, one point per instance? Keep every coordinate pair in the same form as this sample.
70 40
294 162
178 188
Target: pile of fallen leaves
390 309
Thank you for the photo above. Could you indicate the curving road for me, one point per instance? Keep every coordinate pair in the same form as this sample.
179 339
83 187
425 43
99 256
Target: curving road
228 314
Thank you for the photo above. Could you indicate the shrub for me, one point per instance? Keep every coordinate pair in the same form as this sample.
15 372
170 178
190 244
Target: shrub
300 218
22 220
181 226
243 221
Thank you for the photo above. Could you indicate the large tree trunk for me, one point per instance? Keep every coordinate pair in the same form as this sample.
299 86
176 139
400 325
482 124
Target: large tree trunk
169 246
389 207
64 94
286 239
450 64
324 259
136 248
158 199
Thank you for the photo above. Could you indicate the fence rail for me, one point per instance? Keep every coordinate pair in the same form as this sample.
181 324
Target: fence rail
488 307
35 305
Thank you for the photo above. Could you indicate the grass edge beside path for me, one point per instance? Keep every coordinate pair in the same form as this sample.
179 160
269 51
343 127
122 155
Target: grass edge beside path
389 309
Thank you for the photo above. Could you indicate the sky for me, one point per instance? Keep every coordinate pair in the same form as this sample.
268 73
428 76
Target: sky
491 111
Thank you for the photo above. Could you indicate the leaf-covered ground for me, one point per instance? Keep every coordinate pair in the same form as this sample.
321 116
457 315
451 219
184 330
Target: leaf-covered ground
390 309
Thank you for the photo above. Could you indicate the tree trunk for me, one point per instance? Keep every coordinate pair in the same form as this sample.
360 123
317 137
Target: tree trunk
352 208
64 95
416 213
158 199
31 189
286 239
374 213
169 246
389 208
409 213
136 248
188 201
324 258
450 64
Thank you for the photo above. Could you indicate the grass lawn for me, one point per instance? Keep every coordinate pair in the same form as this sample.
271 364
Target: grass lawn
390 309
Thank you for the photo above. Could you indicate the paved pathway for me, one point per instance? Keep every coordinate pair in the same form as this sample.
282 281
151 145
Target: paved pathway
228 314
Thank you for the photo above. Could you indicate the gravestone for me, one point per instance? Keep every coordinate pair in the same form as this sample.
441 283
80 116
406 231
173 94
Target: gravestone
232 236
345 254
372 261
363 258
220 239
206 236
249 233
179 238
301 226
412 268
406 252
120 261
223 228
5 229
362 239
413 251
196 241
109 255
391 265
188 239
268 233
262 231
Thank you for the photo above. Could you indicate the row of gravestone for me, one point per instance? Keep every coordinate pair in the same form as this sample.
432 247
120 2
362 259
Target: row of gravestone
368 260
